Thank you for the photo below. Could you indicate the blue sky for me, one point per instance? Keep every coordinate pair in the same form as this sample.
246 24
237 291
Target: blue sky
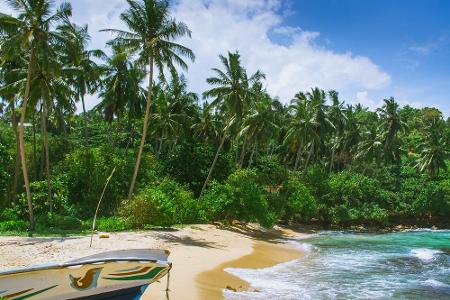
366 50
409 39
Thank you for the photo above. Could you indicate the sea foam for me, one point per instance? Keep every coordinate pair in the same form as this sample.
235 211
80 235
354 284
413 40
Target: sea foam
425 254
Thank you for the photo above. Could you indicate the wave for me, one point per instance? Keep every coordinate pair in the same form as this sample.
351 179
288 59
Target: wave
425 254
436 283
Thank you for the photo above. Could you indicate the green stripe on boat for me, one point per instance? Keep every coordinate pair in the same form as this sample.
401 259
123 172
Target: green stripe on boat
35 293
149 275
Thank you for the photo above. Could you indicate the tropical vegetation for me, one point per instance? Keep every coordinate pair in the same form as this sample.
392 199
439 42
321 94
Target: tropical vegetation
235 152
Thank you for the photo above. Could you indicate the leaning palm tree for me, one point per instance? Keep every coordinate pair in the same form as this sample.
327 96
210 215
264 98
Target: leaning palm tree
151 36
31 29
230 91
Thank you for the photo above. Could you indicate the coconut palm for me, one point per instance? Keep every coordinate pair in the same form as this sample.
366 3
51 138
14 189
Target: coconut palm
151 36
259 125
433 150
338 118
31 30
85 72
229 93
391 125
121 91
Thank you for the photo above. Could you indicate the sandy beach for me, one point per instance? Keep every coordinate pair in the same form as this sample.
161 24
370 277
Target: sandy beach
199 254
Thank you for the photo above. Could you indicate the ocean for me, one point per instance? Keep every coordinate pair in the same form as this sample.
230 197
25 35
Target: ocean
349 265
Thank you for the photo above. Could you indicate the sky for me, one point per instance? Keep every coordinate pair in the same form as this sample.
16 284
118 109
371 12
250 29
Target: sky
366 50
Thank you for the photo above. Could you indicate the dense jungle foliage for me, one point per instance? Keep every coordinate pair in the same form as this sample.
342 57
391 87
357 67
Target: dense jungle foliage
233 153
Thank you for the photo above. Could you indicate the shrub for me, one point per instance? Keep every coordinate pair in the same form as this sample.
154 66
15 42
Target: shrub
9 214
239 198
14 225
39 194
354 189
87 171
112 224
270 171
163 204
56 221
299 203
5 161
189 164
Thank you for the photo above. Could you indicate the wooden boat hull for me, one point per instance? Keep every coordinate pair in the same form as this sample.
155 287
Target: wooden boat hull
113 275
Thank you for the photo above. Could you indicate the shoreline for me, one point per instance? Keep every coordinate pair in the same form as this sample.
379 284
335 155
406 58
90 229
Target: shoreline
264 254
199 254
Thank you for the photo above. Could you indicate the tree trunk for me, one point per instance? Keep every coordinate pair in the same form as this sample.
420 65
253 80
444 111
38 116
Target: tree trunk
332 161
311 150
85 120
34 163
214 162
251 157
47 157
297 158
42 158
17 158
144 131
241 158
22 139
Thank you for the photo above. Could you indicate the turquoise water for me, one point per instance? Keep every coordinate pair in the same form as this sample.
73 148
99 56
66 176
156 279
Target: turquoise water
345 265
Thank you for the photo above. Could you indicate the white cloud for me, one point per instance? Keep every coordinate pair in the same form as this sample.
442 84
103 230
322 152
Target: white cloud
221 26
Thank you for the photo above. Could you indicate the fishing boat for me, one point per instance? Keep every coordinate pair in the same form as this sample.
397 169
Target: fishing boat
123 274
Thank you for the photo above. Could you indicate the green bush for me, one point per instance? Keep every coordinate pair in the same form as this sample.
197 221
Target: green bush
353 189
15 225
88 169
299 203
39 194
189 164
240 197
5 161
163 204
271 172
9 214
56 221
112 224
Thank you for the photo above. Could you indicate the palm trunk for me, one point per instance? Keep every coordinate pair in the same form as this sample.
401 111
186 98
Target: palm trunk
251 157
34 163
17 158
214 162
47 157
42 158
297 158
311 150
332 161
144 131
241 158
22 139
85 120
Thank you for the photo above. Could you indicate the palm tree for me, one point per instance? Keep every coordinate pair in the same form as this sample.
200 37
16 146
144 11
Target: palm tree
391 125
433 151
85 73
206 125
259 125
297 127
121 91
151 35
231 87
338 119
30 29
